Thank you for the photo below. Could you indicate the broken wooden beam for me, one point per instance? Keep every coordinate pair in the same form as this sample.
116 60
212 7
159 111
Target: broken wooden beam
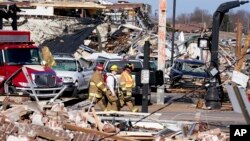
238 40
243 52
97 120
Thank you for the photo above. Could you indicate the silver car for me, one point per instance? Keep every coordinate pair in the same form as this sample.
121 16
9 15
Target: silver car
73 75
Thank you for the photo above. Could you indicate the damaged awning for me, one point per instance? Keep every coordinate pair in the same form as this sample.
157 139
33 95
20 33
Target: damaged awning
85 5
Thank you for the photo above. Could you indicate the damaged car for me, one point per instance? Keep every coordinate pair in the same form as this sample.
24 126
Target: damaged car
185 72
72 73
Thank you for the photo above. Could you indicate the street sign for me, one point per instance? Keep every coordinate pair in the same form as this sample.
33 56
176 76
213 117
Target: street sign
240 78
145 76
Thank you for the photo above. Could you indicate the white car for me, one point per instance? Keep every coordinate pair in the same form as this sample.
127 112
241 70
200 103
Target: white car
73 75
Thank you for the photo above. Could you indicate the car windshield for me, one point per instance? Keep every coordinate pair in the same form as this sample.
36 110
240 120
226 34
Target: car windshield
65 65
121 65
193 67
22 56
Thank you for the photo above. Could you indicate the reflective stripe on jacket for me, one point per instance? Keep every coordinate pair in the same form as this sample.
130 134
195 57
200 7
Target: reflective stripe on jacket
126 80
97 86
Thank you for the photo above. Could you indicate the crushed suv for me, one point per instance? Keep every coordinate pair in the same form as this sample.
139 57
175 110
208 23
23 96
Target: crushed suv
188 73
72 73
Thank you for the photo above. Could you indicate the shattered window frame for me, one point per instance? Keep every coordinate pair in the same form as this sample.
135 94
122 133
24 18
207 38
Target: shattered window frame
193 67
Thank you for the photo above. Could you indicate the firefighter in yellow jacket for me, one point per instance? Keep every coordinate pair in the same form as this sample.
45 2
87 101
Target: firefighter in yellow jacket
97 88
127 83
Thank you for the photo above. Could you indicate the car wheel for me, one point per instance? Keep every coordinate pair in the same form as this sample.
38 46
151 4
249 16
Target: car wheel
138 99
172 83
75 91
149 101
12 90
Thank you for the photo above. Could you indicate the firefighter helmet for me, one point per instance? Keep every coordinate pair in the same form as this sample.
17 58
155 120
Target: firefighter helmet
129 66
114 68
100 67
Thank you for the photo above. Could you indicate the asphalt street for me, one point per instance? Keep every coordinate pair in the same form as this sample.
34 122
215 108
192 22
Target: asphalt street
186 110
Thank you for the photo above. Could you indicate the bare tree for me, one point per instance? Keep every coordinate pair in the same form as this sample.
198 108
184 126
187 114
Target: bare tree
183 18
229 24
198 16
243 16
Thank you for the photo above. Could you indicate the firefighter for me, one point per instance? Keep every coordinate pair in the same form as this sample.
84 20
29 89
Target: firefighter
97 88
113 87
127 83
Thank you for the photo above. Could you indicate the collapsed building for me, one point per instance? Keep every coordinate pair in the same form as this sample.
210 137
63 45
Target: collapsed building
119 28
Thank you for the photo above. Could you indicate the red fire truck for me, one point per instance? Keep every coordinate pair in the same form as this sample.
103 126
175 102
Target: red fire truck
21 69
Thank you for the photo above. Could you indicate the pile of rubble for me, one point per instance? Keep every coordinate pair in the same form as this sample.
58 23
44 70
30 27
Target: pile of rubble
54 27
80 122
66 34
56 123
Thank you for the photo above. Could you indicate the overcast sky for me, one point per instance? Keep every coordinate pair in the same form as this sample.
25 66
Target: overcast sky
188 6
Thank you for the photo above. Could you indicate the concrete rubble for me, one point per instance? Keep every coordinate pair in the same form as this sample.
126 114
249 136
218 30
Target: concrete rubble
54 27
58 122
89 39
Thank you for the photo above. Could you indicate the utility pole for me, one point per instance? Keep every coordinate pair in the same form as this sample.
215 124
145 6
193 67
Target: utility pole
161 46
173 32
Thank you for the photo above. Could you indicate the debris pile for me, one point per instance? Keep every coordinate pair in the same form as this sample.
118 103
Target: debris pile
55 123
54 27
79 122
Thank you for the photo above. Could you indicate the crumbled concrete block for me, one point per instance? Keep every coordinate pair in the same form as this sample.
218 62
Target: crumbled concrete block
19 138
59 107
51 113
14 114
37 119
109 128
26 130
45 119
